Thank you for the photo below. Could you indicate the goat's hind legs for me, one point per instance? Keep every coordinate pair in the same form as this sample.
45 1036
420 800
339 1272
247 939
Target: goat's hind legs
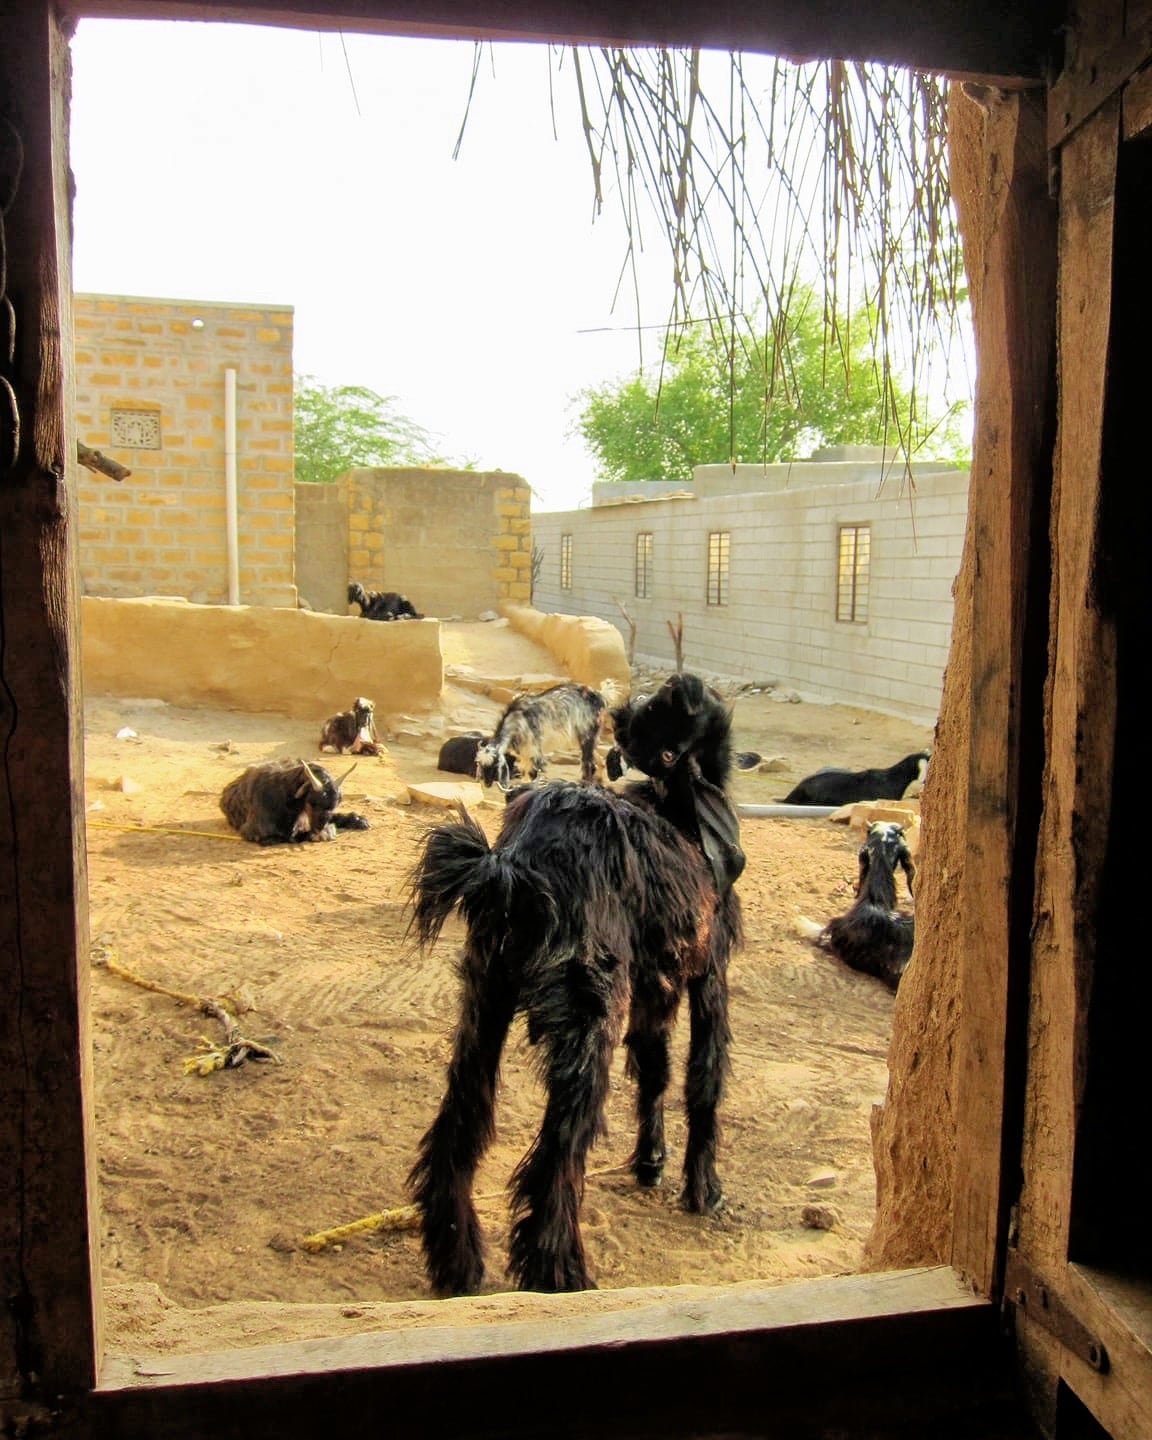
546 1251
649 1066
441 1179
703 1090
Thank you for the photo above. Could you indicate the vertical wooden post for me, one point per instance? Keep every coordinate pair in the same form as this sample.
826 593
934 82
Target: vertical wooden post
1008 520
48 1328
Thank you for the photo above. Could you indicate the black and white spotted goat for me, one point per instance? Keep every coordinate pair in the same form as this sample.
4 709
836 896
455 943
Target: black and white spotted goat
569 713
283 801
352 732
381 604
874 937
593 914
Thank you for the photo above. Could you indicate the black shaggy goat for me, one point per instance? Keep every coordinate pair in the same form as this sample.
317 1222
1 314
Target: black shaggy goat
573 712
874 937
281 801
845 787
381 604
352 732
593 913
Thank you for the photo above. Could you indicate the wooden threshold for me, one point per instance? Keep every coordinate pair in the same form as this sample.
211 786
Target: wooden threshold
897 1345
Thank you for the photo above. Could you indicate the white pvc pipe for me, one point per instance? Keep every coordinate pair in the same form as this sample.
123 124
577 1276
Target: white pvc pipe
788 812
231 507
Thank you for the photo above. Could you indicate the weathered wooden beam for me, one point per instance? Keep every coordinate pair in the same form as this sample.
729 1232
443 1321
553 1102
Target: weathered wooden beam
1008 42
47 1195
1008 515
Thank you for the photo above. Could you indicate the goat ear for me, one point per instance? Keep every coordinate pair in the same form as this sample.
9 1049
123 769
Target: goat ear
865 858
909 867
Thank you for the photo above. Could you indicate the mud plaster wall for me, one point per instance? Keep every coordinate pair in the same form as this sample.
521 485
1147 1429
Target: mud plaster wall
456 542
282 661
914 1130
163 530
590 650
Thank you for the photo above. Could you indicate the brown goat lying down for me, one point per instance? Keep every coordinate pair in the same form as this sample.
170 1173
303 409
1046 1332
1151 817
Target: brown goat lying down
282 802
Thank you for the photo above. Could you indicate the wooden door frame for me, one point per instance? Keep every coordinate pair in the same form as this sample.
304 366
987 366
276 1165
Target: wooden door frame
52 1330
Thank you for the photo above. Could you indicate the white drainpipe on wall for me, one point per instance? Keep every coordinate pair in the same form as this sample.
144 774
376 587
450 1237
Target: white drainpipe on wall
230 502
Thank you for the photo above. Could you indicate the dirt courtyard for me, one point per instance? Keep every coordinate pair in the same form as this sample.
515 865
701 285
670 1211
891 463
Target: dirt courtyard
208 1183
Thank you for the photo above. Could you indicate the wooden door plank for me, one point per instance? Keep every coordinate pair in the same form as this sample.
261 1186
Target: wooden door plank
47 1324
1007 519
1081 703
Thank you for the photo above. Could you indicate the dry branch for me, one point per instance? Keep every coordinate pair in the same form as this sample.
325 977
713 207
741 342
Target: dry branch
631 632
94 460
677 633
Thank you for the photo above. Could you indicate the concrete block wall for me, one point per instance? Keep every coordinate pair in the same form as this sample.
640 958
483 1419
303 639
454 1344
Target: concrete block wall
456 542
780 623
163 530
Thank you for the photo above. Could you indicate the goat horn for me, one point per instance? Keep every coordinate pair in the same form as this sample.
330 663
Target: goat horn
316 783
346 774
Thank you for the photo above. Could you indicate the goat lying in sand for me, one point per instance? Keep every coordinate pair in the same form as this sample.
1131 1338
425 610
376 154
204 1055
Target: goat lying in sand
594 913
352 732
283 801
874 937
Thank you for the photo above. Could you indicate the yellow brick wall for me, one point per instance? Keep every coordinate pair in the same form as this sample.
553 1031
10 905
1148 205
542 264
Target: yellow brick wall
163 530
456 542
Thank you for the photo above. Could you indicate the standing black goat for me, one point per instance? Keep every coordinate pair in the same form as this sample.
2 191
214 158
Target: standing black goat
281 801
571 711
352 732
593 913
845 787
381 604
874 937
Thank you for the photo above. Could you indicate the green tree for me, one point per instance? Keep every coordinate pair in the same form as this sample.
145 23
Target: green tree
724 396
346 427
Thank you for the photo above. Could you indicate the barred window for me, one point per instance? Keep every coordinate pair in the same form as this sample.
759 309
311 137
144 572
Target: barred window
718 545
852 571
566 562
643 563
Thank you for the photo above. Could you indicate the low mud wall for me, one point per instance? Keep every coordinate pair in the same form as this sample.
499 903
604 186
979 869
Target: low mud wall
590 650
288 662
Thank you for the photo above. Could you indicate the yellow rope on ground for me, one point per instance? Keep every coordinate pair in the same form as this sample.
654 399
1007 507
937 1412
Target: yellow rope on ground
165 830
228 1054
401 1217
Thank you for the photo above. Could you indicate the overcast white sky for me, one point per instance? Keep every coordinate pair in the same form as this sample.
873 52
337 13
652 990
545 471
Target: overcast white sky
225 162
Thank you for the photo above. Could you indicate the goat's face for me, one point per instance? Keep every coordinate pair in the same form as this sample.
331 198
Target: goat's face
885 844
655 733
320 794
493 766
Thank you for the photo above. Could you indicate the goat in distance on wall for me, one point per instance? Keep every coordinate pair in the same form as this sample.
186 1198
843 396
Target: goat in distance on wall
381 604
593 913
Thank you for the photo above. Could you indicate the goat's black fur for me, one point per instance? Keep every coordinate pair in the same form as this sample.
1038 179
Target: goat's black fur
593 914
381 604
845 787
569 710
352 732
281 801
874 937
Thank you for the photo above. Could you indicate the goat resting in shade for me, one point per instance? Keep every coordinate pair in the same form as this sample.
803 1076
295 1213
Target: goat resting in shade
593 913
874 937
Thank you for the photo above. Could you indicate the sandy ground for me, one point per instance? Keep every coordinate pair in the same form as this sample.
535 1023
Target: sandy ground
208 1183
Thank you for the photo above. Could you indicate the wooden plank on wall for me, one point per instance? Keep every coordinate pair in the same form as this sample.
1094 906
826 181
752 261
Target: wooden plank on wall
1008 516
47 1326
1008 43
1081 705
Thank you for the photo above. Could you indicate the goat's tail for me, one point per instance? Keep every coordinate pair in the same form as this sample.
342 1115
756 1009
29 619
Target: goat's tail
458 867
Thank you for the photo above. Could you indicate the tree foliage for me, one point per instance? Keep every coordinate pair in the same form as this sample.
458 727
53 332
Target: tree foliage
347 427
776 394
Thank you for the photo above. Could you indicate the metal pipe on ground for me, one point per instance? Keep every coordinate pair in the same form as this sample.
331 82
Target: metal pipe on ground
787 812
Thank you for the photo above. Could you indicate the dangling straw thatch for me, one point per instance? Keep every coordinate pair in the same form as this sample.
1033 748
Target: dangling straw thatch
767 177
